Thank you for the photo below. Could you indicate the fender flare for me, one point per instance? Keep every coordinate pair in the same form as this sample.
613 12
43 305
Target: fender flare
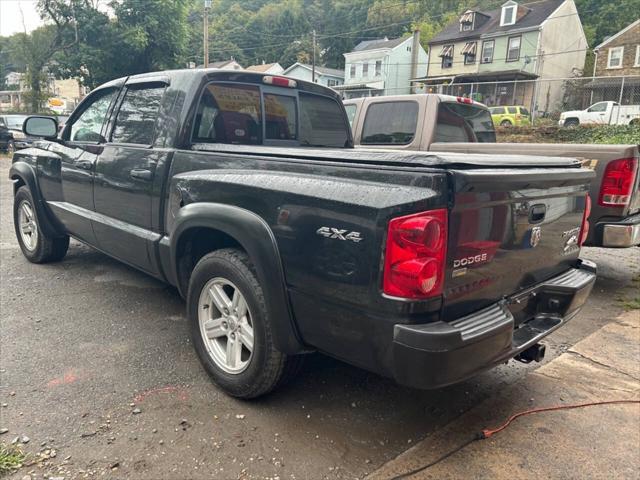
24 172
257 239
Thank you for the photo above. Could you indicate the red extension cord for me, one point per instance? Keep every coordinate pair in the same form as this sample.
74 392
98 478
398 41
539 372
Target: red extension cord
486 433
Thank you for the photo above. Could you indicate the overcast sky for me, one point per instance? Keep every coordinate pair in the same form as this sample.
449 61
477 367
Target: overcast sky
16 15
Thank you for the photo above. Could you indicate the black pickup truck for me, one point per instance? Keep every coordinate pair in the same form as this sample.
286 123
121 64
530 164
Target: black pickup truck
244 192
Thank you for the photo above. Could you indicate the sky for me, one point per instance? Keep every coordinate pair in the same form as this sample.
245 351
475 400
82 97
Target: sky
18 15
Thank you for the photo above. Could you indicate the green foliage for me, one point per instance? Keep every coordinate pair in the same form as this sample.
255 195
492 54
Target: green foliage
544 132
143 35
11 459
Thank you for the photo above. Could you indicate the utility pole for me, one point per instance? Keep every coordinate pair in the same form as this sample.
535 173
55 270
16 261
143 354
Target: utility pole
313 59
205 34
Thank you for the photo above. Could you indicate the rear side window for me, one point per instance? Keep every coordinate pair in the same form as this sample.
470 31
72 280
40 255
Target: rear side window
512 110
280 117
136 119
460 122
390 123
322 122
496 110
229 113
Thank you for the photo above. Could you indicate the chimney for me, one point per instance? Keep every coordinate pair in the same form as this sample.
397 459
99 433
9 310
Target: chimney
415 48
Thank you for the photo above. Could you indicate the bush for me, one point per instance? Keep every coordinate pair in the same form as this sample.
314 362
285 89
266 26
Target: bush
545 133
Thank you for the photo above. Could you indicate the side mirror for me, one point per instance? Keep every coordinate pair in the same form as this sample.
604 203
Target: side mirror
44 127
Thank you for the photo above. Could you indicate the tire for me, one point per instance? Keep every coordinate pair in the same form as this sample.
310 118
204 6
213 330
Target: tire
36 246
10 148
635 122
571 122
505 123
253 371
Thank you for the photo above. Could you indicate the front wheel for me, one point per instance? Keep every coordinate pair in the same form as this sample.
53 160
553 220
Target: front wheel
36 245
231 327
11 147
571 123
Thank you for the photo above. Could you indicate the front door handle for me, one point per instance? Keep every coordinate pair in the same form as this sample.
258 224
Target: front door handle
84 164
141 174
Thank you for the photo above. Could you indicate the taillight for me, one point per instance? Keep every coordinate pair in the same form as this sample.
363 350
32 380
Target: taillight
584 229
464 100
617 182
415 255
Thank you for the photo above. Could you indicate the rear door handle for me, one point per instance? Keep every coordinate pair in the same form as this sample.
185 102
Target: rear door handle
141 174
84 164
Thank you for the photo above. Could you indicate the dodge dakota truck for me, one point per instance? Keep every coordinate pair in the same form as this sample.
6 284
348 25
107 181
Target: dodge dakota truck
442 123
244 191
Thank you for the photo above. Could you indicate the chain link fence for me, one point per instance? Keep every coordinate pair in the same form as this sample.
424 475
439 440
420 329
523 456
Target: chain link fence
546 98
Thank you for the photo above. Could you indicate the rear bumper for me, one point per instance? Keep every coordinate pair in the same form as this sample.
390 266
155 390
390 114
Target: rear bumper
441 353
624 233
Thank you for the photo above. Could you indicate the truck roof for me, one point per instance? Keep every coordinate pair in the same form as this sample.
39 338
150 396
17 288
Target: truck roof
399 98
196 75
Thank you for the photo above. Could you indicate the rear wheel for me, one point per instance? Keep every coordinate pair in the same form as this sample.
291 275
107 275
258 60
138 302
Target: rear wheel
36 245
231 327
505 123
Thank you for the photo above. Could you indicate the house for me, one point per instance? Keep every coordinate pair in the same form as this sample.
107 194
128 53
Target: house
383 67
618 58
63 94
230 64
329 77
269 68
496 56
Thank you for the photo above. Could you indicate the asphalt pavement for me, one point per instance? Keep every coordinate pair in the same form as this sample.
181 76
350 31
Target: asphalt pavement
96 364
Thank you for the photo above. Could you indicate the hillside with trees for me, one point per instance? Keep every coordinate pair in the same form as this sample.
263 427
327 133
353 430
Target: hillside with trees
94 42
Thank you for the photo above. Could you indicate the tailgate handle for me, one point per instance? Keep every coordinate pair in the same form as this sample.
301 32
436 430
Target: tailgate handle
537 213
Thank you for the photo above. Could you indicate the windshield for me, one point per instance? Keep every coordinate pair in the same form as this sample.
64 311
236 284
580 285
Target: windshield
15 121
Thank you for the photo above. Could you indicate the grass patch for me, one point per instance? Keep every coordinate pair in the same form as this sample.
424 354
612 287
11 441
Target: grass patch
11 458
632 304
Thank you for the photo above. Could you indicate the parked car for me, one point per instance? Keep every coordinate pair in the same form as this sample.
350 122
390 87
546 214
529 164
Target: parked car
602 113
509 116
15 137
439 123
6 138
243 190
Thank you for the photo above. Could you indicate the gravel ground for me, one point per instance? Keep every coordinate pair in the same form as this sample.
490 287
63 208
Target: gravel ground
96 366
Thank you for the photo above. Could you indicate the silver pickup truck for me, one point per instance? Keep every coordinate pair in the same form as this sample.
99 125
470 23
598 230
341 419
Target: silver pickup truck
443 123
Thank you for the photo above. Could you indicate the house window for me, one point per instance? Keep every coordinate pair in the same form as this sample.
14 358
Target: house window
331 82
487 51
378 68
513 49
637 64
508 14
469 53
447 56
365 69
466 22
352 70
615 57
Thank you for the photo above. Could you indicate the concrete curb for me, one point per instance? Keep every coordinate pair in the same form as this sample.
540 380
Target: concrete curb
595 442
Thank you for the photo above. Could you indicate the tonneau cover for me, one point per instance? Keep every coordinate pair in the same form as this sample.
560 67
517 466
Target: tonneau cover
388 157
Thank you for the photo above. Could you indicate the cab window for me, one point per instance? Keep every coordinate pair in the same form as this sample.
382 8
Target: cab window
598 107
390 123
229 113
87 127
351 113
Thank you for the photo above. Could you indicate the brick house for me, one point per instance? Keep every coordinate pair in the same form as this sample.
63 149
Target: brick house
618 58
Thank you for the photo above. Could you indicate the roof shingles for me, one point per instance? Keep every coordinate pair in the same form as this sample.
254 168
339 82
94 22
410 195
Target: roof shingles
537 13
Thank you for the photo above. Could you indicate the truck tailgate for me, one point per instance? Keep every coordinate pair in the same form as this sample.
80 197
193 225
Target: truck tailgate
510 229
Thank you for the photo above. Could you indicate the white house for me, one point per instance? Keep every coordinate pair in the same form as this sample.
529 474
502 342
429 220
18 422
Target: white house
230 64
329 77
268 68
382 67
